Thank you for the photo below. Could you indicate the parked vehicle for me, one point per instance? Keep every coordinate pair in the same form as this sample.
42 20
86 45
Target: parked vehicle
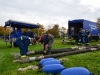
75 25
16 26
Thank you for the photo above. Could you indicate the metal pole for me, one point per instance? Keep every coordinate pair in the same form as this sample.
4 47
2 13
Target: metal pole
38 31
11 40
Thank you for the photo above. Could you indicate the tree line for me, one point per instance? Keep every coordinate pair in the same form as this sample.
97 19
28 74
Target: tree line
54 29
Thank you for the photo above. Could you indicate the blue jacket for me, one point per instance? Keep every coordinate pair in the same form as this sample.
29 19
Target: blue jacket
87 33
23 39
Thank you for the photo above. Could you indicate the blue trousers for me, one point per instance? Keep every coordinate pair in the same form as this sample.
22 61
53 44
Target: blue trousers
81 40
86 39
23 45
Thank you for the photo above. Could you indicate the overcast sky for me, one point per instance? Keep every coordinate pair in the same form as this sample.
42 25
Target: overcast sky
48 12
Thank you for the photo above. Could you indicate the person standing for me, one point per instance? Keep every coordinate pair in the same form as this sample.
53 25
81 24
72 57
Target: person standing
81 37
87 35
30 34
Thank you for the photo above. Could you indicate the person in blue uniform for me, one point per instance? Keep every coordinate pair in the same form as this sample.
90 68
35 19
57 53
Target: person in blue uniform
30 34
87 35
81 37
16 32
46 41
23 43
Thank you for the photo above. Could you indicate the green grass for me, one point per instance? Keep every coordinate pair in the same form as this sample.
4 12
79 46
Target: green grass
90 60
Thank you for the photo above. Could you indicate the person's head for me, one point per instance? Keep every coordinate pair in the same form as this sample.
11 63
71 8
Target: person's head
38 38
83 30
86 28
33 41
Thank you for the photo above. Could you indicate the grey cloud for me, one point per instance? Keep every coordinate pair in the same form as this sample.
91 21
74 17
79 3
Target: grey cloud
44 11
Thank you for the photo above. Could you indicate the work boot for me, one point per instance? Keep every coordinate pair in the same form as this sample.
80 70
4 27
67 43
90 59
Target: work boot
15 55
24 59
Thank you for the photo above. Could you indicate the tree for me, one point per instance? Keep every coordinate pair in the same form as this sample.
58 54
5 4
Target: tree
39 31
98 23
63 32
54 30
2 29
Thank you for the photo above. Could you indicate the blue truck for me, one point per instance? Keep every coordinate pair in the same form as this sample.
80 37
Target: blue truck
13 25
74 27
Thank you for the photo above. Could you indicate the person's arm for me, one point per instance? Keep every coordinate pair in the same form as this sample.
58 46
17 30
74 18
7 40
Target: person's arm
45 47
89 34
40 39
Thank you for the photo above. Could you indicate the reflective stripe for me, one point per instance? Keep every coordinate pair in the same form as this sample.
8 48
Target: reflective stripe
30 39
21 38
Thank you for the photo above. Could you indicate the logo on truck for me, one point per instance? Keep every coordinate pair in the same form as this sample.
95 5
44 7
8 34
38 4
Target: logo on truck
93 27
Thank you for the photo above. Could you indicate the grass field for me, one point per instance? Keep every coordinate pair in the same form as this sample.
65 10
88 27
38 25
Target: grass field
90 60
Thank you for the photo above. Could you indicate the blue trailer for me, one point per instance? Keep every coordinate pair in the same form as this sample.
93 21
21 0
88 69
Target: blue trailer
75 25
13 25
